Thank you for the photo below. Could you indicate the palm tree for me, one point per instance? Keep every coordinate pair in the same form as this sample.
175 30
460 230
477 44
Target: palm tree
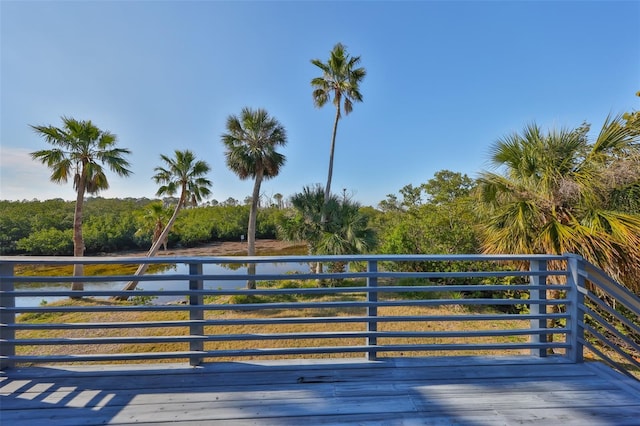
279 197
154 218
251 142
556 194
345 229
304 223
340 80
80 151
184 174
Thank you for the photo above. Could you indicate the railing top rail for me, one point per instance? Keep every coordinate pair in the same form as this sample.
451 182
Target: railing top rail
272 259
605 283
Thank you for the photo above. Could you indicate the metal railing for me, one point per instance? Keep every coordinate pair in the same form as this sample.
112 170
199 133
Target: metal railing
373 307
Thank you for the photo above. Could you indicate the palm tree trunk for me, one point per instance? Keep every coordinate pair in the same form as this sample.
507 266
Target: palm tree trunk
78 241
327 188
251 228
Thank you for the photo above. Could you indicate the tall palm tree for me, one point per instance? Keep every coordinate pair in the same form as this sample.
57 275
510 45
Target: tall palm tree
80 151
182 173
555 195
340 81
251 141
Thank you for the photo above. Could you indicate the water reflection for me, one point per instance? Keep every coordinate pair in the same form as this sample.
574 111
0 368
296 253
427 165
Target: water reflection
221 269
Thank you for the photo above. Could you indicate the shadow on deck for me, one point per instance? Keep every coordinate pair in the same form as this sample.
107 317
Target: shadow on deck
432 391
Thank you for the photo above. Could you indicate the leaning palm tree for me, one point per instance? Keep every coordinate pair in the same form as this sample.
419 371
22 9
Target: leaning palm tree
251 141
340 80
555 193
81 149
184 174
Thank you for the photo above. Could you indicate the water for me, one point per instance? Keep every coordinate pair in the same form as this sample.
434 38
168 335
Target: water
267 268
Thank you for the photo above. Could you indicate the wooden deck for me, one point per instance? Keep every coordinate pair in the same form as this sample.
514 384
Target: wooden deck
425 391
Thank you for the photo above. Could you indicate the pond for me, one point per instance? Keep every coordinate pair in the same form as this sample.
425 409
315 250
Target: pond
226 269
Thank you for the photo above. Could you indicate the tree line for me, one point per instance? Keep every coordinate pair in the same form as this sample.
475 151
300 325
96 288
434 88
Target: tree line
114 225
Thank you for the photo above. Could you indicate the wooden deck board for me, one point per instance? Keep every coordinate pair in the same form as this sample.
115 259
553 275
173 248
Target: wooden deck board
432 391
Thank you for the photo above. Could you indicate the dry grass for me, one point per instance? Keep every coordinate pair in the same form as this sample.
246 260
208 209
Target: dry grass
255 329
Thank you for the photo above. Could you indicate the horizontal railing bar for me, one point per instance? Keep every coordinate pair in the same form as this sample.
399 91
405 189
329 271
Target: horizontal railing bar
285 351
71 260
267 291
284 305
286 320
281 336
275 277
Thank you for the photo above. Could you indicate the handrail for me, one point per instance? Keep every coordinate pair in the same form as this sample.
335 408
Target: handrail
607 328
371 307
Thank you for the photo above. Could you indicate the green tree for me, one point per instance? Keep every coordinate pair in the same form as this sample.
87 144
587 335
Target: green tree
183 174
80 151
447 186
554 195
443 224
340 81
251 141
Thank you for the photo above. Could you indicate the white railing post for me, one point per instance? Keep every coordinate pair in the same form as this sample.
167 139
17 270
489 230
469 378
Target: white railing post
7 318
537 279
372 310
575 281
196 314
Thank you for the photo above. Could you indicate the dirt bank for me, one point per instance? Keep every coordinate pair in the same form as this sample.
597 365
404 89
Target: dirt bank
228 248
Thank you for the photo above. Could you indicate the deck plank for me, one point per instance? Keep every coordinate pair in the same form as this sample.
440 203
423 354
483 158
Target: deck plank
432 391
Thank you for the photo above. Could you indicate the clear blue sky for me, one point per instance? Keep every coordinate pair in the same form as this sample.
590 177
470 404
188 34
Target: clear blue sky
445 80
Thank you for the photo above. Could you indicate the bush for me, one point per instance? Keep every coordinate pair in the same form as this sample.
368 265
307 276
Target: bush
48 242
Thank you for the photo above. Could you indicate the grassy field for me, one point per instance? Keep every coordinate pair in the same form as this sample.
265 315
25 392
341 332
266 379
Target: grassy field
258 329
232 314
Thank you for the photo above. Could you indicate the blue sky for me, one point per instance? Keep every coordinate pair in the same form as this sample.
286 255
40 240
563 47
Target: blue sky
444 81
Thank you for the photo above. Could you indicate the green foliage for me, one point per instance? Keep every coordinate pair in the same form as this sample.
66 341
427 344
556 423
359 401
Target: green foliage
203 224
142 300
18 219
52 242
444 224
113 225
192 229
268 219
110 232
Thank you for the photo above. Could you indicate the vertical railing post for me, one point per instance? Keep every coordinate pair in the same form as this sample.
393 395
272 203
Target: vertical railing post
7 317
196 314
575 282
372 309
537 266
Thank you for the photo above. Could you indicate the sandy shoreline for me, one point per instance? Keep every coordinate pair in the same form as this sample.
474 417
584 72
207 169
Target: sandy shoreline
227 248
